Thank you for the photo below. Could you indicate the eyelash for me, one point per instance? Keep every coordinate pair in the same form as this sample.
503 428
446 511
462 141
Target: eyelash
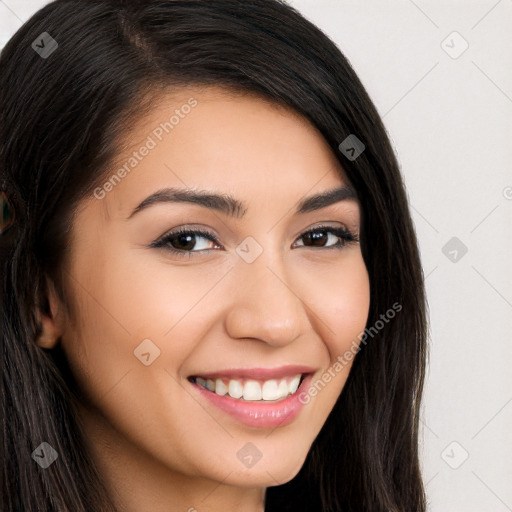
164 242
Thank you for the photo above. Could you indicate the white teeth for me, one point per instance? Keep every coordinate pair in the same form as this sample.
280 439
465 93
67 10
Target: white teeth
283 388
235 388
270 391
252 390
220 387
294 384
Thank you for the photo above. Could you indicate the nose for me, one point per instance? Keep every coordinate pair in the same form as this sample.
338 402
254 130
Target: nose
264 305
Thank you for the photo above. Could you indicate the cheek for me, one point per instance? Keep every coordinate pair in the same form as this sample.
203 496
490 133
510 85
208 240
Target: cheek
155 295
123 303
341 307
123 300
340 298
350 311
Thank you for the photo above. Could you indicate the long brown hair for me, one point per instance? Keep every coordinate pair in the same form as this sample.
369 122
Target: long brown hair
61 119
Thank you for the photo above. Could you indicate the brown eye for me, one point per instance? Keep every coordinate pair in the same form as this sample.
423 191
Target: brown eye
184 241
319 237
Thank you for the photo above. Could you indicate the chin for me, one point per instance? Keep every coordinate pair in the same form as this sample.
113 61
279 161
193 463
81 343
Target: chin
270 474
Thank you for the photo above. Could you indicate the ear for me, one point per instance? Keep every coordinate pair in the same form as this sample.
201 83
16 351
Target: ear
50 318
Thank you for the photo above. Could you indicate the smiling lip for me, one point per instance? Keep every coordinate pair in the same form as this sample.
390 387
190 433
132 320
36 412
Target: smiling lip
258 373
270 414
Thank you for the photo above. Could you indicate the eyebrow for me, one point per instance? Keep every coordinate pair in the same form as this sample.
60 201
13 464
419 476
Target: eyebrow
231 206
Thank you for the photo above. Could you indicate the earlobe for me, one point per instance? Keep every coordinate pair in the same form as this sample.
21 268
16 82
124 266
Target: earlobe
50 321
49 335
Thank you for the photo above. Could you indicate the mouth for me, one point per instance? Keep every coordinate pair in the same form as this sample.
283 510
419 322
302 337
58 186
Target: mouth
250 389
257 397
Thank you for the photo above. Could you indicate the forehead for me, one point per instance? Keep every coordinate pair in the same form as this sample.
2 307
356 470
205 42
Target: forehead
217 139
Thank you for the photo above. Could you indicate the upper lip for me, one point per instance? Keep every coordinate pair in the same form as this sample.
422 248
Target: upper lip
257 373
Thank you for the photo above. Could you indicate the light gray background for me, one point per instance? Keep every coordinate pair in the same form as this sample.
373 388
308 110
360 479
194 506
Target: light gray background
449 118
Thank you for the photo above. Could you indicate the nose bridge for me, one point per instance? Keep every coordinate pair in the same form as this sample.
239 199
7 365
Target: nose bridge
265 305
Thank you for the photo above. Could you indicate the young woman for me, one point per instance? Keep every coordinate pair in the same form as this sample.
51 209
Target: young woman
212 293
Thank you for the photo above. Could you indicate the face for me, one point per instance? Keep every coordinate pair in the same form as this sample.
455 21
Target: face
189 347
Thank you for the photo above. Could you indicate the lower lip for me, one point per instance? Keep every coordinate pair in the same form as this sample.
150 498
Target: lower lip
259 414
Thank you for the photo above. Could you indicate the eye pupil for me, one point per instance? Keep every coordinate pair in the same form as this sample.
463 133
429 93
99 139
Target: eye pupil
188 243
317 237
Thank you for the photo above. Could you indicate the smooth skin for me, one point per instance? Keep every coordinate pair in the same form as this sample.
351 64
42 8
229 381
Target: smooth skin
160 447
